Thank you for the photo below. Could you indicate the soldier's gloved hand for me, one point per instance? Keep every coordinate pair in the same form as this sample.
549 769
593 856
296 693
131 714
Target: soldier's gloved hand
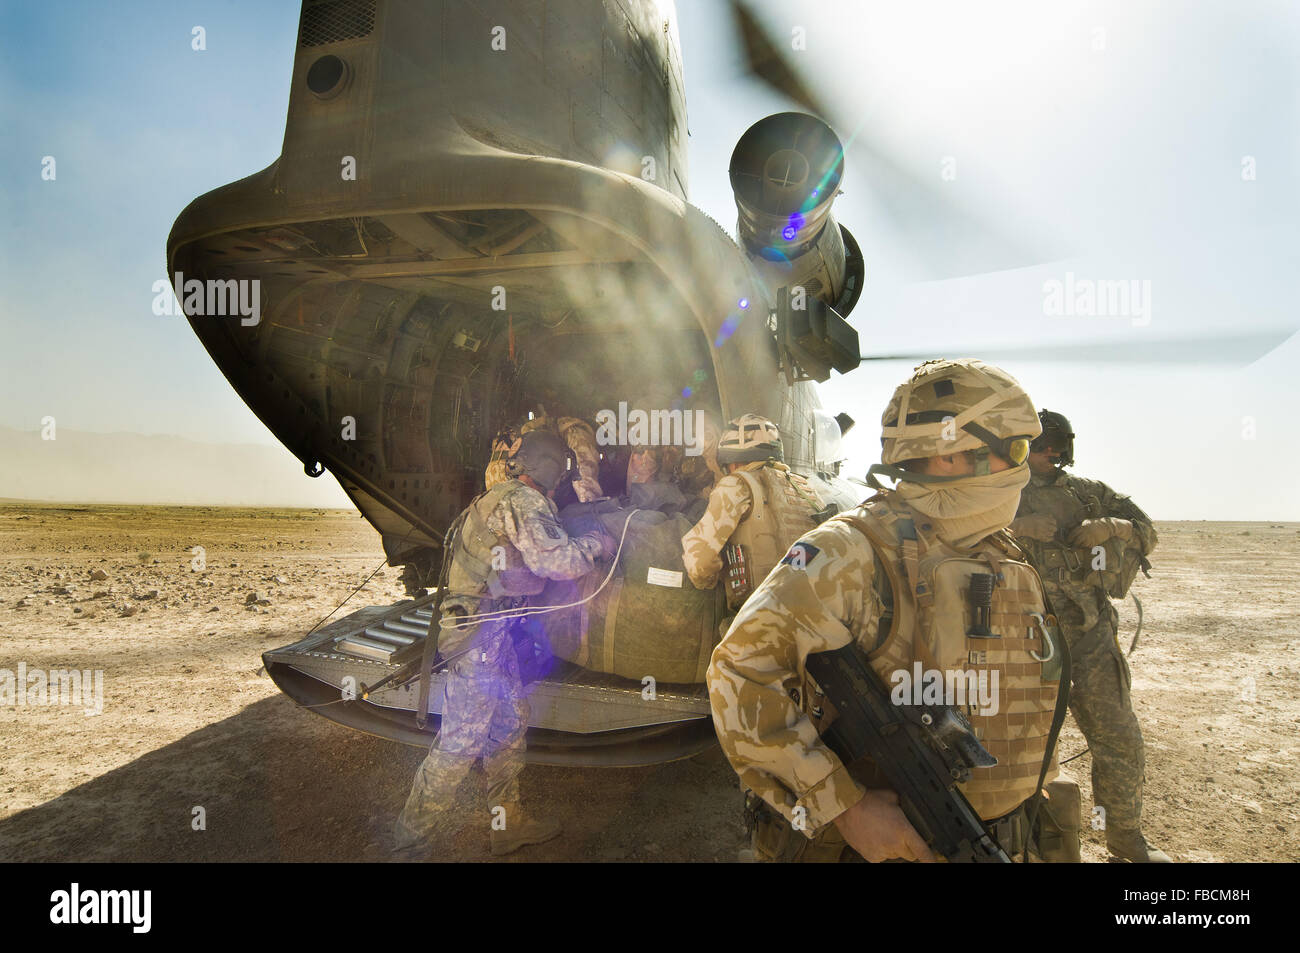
601 543
1091 533
877 828
1040 526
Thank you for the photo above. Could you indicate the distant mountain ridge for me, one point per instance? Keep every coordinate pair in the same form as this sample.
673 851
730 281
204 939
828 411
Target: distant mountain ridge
156 468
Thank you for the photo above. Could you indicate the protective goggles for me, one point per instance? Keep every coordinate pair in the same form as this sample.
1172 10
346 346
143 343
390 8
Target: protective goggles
1015 449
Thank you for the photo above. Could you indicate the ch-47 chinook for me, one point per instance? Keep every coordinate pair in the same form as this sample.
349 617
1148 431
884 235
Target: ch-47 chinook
480 207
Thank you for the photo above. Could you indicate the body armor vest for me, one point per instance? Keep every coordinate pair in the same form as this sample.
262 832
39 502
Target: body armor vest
782 511
484 563
1111 566
931 624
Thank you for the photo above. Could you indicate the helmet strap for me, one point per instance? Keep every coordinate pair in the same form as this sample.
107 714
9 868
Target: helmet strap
898 475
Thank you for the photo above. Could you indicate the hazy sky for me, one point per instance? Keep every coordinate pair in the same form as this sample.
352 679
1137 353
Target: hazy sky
1106 140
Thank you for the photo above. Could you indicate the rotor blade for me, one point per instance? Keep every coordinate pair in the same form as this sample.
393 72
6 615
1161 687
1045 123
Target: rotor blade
948 241
1236 349
764 59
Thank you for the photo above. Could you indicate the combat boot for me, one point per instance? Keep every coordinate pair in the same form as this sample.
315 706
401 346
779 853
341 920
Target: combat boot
1132 846
521 830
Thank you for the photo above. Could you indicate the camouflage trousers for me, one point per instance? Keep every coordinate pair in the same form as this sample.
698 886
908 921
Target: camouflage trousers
484 716
1100 703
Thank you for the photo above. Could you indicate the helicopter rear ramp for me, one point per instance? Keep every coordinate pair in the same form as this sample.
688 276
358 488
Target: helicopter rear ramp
579 717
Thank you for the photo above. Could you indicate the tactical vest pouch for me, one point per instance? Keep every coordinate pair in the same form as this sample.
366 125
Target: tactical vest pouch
1059 822
1120 560
514 582
736 579
775 841
1052 653
948 616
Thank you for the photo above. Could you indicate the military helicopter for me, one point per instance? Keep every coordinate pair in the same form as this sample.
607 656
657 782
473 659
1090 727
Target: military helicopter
481 207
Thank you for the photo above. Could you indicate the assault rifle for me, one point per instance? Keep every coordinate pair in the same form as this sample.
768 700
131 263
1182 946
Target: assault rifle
924 751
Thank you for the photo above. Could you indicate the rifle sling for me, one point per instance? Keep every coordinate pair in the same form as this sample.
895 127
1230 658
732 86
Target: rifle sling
1058 719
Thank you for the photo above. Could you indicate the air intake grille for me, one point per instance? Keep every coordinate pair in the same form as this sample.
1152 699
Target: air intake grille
329 21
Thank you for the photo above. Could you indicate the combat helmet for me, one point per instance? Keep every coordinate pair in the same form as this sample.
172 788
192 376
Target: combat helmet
543 456
749 438
951 406
1057 435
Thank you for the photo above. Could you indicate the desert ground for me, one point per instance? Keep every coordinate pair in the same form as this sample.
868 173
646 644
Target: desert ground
190 720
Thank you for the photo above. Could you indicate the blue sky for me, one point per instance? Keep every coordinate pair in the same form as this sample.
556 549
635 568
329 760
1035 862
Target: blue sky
1107 138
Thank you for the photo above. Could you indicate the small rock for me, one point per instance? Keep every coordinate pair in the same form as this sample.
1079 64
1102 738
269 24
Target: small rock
76 608
129 611
1252 807
98 575
279 580
252 597
215 609
151 594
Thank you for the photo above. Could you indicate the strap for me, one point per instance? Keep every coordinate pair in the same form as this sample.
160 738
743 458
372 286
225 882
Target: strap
795 486
451 538
898 475
756 492
611 619
870 526
1058 719
959 420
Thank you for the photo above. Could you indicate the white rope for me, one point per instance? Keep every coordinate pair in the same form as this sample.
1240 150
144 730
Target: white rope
456 622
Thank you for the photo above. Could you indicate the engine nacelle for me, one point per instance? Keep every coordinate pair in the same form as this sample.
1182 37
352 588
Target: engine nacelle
785 174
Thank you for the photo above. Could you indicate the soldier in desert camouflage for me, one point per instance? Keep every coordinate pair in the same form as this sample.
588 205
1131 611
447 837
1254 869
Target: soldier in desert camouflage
1087 542
510 543
698 475
761 505
891 576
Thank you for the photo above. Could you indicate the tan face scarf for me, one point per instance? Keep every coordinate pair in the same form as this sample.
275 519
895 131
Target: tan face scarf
966 510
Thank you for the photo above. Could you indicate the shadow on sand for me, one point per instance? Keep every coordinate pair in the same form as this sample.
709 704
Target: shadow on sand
278 783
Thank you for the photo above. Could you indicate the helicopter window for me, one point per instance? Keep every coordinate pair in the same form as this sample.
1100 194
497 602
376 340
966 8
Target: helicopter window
326 75
828 443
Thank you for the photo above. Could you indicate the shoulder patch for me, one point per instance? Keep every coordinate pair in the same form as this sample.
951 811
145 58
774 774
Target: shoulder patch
800 555
552 530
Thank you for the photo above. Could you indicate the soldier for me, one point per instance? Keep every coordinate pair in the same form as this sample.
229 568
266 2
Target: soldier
1087 542
755 512
698 475
509 544
581 439
504 445
891 576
